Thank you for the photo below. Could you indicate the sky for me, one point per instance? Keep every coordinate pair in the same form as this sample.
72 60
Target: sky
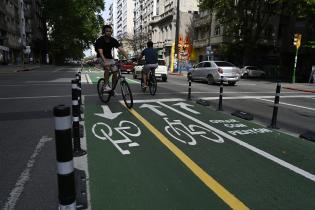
105 16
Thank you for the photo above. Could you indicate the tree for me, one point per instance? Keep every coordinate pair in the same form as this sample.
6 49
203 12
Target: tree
73 25
245 22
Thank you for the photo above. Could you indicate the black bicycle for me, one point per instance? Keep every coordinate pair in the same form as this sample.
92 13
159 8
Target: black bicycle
151 80
124 87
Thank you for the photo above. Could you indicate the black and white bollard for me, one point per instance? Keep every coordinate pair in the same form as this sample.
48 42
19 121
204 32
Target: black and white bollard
275 107
189 86
77 151
221 95
65 169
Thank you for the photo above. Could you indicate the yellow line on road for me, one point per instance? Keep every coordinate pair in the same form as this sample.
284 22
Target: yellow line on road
215 186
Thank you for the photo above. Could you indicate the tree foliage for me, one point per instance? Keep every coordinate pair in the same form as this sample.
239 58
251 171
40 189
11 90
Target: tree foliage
246 22
72 26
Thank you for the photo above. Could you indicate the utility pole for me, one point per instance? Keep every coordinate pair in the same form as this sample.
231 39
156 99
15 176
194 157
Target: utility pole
177 33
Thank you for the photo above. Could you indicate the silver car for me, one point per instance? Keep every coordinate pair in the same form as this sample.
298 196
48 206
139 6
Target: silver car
212 71
252 71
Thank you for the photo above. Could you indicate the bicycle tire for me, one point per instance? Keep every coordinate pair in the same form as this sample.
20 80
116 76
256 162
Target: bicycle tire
126 93
192 142
152 84
104 96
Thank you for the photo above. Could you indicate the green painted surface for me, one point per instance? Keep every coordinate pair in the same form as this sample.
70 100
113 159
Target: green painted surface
152 177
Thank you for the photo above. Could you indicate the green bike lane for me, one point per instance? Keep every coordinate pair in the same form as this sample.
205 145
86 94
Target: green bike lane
136 161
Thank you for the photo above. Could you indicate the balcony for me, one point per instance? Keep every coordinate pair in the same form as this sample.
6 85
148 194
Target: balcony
202 21
168 43
199 43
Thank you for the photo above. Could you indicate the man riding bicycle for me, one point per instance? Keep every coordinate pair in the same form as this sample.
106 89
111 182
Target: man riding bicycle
103 46
151 61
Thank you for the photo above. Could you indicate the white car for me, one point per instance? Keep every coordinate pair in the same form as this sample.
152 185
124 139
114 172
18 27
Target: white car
212 71
252 71
160 71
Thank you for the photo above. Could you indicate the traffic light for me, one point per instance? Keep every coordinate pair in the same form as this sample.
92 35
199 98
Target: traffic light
297 40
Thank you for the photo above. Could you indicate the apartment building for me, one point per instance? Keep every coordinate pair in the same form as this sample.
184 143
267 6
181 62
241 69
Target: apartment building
163 24
10 36
143 13
208 34
22 31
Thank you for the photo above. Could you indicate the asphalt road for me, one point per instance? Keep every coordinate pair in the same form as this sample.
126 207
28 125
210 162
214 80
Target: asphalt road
27 149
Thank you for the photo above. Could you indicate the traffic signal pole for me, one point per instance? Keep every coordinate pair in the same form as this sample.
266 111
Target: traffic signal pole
295 62
297 43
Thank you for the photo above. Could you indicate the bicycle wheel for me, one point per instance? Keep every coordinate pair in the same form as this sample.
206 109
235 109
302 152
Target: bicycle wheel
126 93
104 96
152 84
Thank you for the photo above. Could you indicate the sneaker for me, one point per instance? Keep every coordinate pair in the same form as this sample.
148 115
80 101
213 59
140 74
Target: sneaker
107 88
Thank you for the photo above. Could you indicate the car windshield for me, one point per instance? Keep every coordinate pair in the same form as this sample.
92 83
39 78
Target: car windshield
252 68
161 62
223 63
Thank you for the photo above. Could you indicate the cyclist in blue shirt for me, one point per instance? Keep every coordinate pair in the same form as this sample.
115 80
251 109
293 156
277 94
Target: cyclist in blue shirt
151 61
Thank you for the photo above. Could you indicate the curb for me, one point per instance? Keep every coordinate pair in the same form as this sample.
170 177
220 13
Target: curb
309 91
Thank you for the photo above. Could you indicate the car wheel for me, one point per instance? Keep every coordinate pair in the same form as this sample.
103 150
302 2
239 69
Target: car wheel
231 83
210 80
245 76
134 76
164 79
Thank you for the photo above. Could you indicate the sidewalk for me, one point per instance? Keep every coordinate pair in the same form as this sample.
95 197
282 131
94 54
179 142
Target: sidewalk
304 87
11 68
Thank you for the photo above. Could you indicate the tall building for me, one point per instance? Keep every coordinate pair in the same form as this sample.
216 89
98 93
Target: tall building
144 11
10 35
163 25
22 31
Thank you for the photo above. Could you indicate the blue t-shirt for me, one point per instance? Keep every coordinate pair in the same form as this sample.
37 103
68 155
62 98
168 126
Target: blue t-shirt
150 56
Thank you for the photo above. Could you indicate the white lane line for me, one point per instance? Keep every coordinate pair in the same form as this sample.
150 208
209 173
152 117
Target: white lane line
303 107
25 176
283 163
88 78
158 100
256 97
33 97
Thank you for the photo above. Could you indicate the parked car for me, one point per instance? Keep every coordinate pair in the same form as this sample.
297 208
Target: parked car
160 71
125 66
211 72
252 71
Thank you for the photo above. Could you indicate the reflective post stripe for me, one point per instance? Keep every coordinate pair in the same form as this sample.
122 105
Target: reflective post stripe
65 170
275 107
77 151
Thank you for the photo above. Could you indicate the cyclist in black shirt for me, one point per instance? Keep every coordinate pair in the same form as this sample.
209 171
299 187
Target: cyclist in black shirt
151 61
103 46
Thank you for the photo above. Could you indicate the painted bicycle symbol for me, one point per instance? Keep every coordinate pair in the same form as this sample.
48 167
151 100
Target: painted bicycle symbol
186 134
125 129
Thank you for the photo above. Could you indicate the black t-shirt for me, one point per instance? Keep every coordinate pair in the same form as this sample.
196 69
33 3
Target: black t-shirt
107 44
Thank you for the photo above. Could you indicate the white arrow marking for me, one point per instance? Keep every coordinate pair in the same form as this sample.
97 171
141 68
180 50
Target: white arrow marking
107 113
186 107
154 109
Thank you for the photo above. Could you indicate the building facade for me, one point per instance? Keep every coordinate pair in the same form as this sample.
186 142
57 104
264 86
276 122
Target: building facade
163 25
22 32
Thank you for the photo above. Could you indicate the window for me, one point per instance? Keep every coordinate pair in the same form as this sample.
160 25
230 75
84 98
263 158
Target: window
207 64
217 30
